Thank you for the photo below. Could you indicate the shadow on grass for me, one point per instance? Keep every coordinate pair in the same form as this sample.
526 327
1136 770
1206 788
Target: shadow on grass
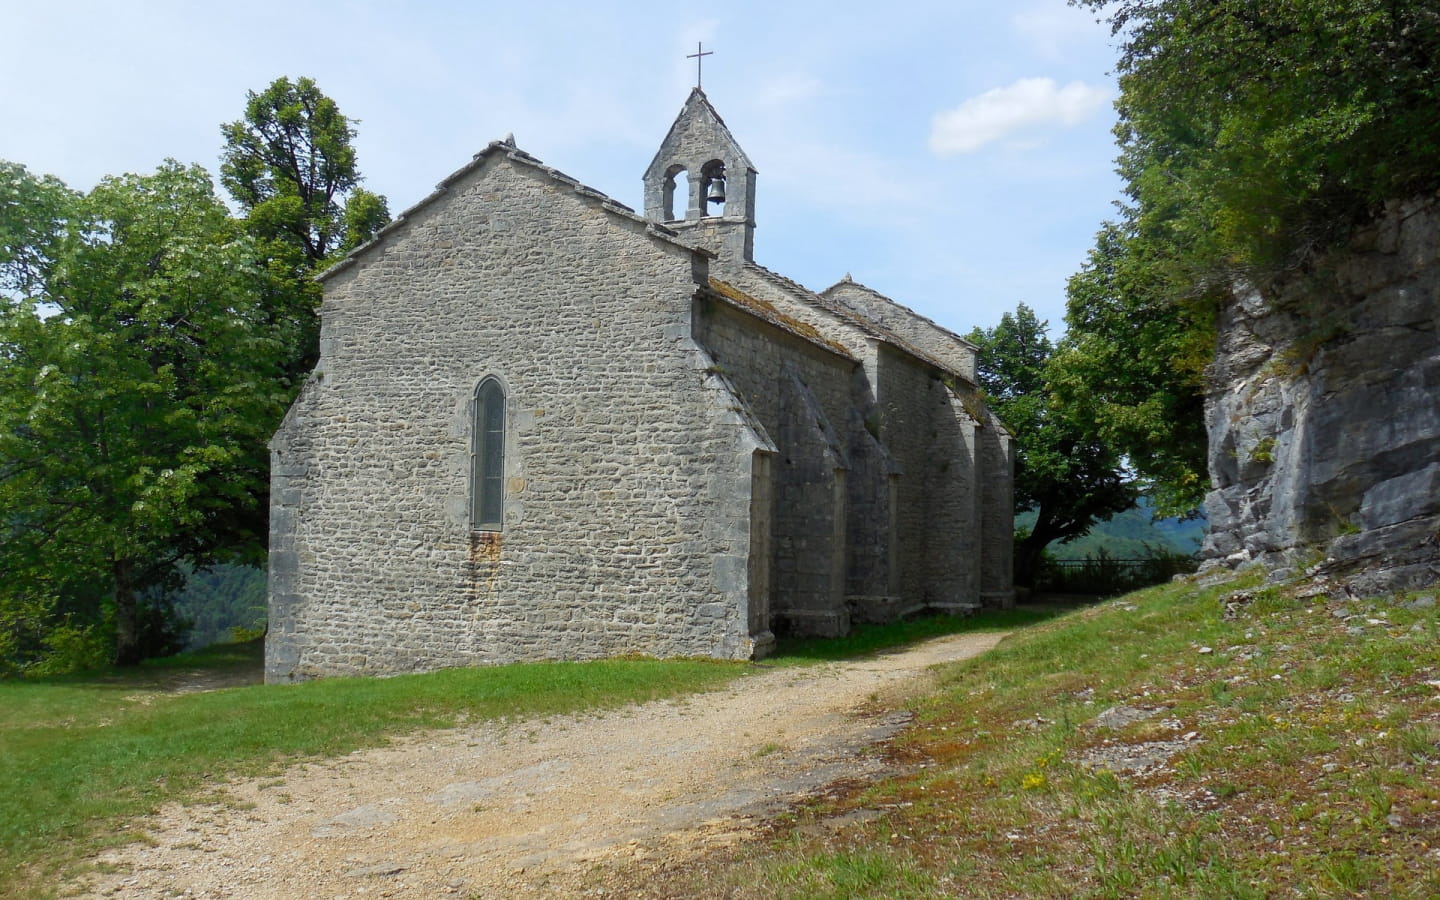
228 665
244 662
238 664
241 655
866 639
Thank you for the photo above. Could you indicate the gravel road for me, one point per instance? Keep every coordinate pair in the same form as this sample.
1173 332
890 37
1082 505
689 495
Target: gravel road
525 809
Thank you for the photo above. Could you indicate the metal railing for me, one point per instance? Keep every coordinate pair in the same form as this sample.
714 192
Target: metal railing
1105 575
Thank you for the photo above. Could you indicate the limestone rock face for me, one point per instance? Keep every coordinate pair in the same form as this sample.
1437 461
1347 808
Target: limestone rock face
1324 412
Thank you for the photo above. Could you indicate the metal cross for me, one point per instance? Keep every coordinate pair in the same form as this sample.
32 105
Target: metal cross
699 57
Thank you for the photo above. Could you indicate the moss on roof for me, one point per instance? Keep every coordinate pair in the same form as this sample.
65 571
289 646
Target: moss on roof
769 313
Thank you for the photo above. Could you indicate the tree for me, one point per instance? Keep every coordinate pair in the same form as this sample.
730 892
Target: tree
290 165
1063 470
141 379
1256 135
1254 138
32 215
1132 365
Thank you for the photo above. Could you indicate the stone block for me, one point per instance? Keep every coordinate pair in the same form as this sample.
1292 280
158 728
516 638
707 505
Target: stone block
1399 499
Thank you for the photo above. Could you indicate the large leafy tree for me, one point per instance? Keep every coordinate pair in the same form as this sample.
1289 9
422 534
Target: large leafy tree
140 380
1064 471
1255 134
290 165
1254 137
1132 366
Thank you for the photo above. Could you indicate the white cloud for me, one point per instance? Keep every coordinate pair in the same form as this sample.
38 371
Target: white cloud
1025 104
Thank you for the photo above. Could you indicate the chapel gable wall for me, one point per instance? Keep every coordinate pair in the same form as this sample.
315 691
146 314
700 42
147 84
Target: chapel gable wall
627 472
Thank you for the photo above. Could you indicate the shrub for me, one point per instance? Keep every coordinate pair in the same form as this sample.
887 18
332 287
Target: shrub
1103 575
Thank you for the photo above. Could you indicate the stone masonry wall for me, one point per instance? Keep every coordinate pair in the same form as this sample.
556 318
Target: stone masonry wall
997 514
628 467
1323 413
759 282
797 391
810 516
953 533
755 355
919 427
920 433
872 587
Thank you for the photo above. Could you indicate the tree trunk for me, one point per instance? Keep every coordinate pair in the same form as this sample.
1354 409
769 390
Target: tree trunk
1028 554
127 626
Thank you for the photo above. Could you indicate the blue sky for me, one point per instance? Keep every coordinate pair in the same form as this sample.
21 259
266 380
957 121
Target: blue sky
956 156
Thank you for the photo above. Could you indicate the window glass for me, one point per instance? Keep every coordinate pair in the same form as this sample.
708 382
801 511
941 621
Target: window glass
487 471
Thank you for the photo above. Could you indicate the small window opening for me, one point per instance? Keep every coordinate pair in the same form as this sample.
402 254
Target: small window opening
712 186
673 179
487 458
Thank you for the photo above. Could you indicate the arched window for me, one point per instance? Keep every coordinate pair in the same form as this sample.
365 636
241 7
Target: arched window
487 458
712 188
674 178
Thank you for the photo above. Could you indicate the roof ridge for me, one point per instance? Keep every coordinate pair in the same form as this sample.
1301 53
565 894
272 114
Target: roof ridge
897 304
507 148
766 312
864 323
871 327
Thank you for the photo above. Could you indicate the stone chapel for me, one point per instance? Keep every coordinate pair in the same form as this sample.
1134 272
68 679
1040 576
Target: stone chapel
543 426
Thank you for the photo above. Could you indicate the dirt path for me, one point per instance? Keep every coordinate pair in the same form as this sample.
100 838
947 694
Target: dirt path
525 809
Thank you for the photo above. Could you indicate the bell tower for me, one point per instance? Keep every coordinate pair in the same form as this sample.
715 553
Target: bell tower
702 184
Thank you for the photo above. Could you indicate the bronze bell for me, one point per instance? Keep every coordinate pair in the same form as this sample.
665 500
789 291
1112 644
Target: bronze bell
715 193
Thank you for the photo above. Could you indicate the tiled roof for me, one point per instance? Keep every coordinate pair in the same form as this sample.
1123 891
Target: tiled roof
767 312
867 326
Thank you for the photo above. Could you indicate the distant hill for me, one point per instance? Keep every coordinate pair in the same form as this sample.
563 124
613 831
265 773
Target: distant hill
1129 535
220 599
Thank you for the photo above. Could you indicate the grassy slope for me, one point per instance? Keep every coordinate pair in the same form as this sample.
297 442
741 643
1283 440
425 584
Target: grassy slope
1306 751
84 756
1310 766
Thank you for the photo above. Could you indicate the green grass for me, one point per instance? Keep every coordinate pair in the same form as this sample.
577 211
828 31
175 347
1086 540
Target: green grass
865 639
1313 766
215 658
83 699
86 755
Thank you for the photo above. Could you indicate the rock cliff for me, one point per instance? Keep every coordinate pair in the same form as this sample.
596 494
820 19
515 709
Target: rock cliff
1324 413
